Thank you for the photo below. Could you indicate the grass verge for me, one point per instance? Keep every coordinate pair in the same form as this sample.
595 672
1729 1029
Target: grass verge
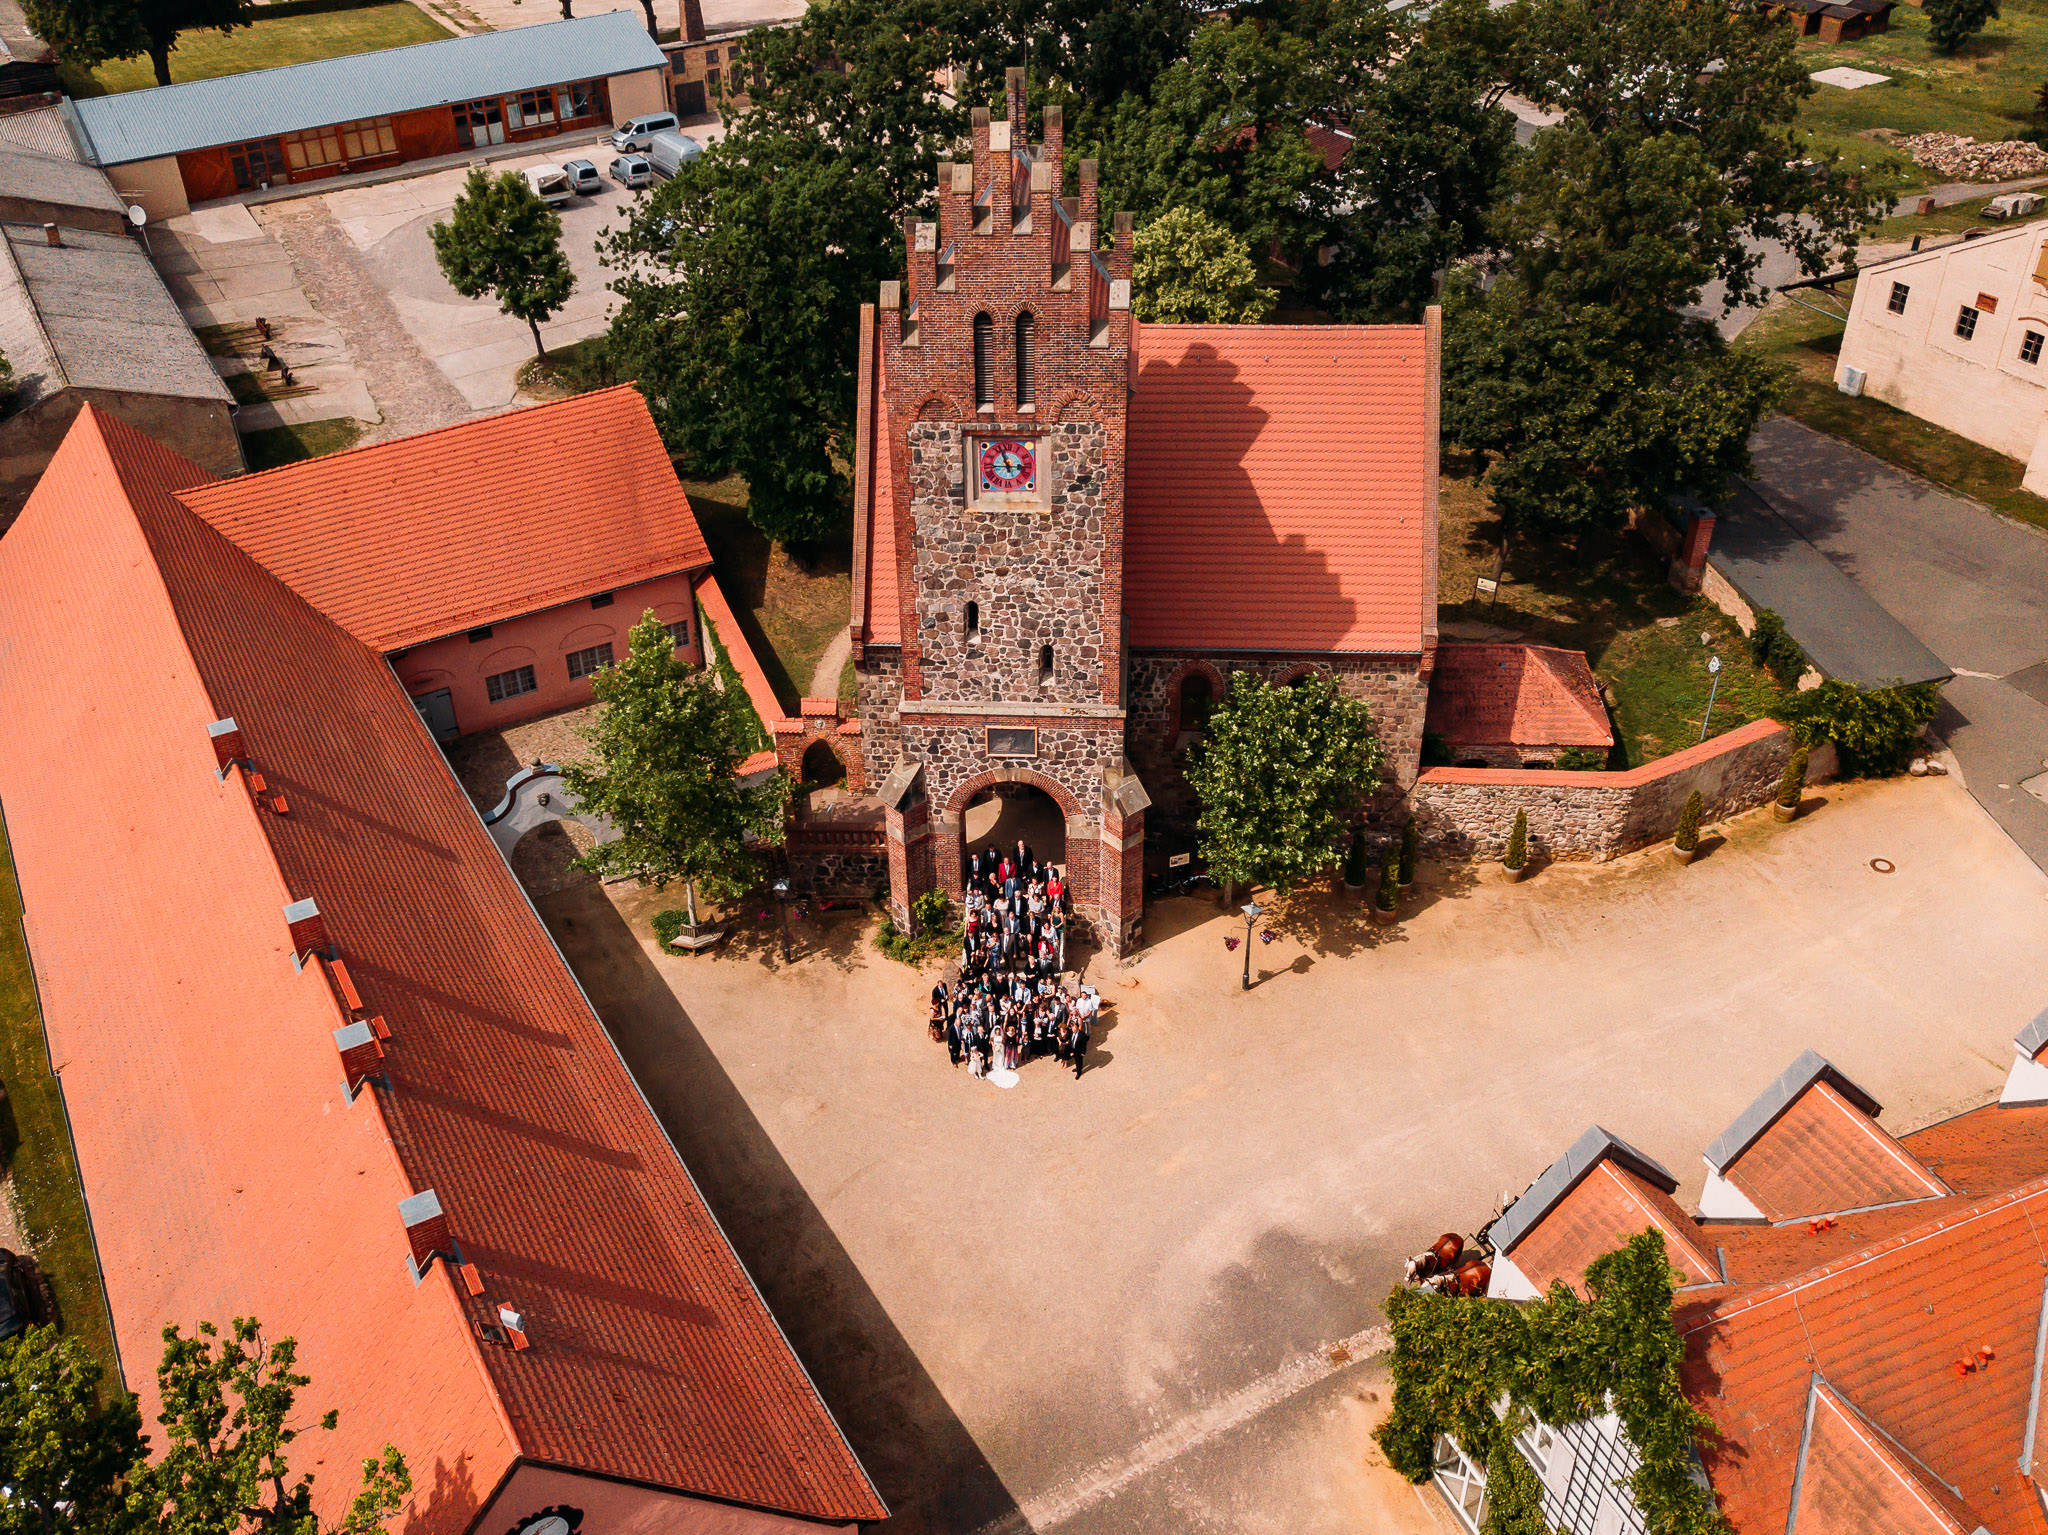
1605 595
573 369
277 445
1807 343
35 1141
205 55
790 612
1986 90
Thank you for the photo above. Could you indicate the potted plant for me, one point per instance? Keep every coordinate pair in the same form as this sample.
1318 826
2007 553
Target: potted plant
1685 843
1386 903
1790 787
1355 863
1411 847
1514 862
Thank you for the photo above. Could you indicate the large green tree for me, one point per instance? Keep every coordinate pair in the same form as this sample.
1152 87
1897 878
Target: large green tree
1951 23
228 1413
667 747
501 239
66 1448
1187 269
741 282
1674 166
86 33
1279 774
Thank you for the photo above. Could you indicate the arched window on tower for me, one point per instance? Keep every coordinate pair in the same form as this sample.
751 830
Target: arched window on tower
1045 663
1027 361
984 375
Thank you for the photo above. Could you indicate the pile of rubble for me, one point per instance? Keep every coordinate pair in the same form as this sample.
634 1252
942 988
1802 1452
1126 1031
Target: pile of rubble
1966 159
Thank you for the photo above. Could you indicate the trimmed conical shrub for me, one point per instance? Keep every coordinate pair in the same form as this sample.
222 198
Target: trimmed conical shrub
1390 887
1517 855
1356 864
1793 784
1411 847
1687 839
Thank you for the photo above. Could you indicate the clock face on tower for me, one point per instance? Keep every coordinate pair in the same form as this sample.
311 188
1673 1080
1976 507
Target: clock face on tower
1009 466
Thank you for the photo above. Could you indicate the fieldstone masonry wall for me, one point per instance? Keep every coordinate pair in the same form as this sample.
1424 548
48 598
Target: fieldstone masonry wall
1579 817
1395 688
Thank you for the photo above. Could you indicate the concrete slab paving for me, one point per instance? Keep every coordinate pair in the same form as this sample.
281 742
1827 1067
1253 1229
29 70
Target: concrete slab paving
1115 1303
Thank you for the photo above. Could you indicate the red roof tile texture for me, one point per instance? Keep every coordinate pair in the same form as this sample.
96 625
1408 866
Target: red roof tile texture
1921 1317
1600 1213
1280 488
653 1359
884 617
1518 695
422 537
1851 1482
1823 1154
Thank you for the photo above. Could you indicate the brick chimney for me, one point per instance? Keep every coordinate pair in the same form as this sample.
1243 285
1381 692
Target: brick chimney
426 1232
308 930
52 235
693 21
227 745
362 1056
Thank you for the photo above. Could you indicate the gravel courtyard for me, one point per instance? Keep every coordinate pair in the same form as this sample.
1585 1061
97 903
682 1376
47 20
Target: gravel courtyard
1149 1299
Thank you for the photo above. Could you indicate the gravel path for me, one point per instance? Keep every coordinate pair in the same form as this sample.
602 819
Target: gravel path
825 680
413 394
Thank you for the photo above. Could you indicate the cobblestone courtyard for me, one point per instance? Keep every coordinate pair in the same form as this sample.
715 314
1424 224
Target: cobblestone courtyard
1148 1299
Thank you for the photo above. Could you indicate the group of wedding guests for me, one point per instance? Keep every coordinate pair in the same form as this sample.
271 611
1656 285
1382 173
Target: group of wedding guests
1007 1004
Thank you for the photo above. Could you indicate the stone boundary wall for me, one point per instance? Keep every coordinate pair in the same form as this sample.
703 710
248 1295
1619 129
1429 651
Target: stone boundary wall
1592 817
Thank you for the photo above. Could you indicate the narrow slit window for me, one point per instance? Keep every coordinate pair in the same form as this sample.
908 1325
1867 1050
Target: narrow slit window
1027 360
973 620
1045 663
984 378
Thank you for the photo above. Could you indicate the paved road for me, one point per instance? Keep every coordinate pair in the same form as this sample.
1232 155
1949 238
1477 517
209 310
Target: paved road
1971 585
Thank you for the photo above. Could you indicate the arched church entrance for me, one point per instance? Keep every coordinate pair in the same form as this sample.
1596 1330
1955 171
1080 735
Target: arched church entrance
1005 813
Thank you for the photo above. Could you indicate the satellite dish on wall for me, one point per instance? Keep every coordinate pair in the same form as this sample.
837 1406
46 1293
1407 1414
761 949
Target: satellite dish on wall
136 216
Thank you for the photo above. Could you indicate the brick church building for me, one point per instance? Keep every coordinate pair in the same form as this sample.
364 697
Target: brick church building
1073 527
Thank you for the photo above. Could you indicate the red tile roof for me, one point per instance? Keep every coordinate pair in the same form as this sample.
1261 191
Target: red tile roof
884 618
1851 1480
1280 488
227 1172
1600 1213
1882 1304
1823 1154
410 540
1518 695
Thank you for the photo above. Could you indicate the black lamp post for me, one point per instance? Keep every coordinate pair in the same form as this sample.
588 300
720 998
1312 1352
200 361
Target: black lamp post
1252 912
781 888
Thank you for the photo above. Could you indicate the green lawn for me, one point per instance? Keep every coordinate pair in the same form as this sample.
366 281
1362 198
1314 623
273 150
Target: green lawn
790 612
1986 91
35 1142
267 44
1604 596
1808 343
276 445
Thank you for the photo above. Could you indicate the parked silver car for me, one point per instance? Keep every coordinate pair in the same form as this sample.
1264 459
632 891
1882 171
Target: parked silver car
632 171
583 177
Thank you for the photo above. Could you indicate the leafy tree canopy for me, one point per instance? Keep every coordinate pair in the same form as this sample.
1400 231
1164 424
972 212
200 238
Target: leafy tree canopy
1188 269
1951 23
87 33
501 239
1592 416
66 1452
742 280
667 746
1279 775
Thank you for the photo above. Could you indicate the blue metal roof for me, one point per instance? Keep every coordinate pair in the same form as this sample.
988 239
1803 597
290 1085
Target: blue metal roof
170 119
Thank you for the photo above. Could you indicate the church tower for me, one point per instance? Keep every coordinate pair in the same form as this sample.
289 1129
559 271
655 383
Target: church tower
989 492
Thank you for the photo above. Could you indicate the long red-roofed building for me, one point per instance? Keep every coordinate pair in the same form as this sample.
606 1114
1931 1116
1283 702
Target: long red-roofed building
323 1064
1865 1317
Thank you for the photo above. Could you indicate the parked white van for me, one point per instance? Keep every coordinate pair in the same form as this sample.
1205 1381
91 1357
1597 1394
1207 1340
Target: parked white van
635 132
668 151
550 184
